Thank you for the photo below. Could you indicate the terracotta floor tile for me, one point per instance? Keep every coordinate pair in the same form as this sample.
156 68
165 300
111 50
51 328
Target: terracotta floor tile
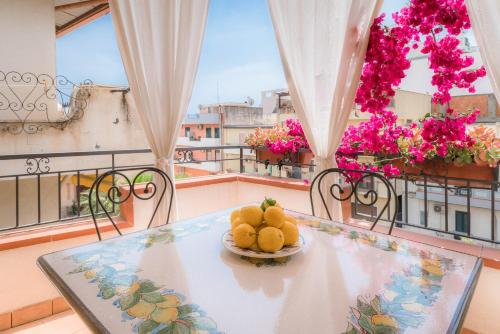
5 321
59 305
62 323
31 313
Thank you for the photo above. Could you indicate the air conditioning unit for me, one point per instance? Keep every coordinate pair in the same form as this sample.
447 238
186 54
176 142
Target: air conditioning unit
437 208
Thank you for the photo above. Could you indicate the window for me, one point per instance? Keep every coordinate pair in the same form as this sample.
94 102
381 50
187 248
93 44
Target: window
209 132
461 221
187 132
422 218
217 133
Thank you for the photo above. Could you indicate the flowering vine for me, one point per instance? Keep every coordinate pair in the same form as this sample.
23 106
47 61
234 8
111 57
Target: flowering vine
279 139
432 26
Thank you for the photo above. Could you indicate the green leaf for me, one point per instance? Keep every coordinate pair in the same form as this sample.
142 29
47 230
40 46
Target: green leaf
166 330
375 303
128 301
202 323
107 292
187 309
147 286
366 323
180 328
147 326
351 330
175 328
381 329
153 297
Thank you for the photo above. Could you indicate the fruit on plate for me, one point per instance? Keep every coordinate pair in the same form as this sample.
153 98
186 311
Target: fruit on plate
244 235
263 229
270 239
290 233
274 216
235 223
251 215
290 219
235 214
268 202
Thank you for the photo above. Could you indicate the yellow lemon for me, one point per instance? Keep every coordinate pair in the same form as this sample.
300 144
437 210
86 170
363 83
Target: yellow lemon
385 320
260 227
254 247
270 239
251 215
165 315
274 216
290 219
141 310
235 214
290 233
244 235
169 301
237 221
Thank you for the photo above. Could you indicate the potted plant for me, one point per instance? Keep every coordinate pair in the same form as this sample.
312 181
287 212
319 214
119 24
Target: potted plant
281 144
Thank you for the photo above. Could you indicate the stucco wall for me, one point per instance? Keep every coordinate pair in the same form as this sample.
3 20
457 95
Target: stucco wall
28 45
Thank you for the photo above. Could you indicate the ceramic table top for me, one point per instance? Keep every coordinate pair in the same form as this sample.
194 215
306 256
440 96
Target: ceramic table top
180 279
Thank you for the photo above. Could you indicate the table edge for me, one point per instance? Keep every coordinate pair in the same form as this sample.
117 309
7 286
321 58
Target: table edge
76 304
458 318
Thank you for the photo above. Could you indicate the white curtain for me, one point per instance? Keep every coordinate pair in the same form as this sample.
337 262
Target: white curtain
322 45
160 43
484 16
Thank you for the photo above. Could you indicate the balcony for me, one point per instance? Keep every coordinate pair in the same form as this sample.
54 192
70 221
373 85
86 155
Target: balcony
44 210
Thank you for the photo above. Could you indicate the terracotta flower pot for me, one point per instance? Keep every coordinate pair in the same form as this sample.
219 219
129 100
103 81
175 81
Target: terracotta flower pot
302 157
438 169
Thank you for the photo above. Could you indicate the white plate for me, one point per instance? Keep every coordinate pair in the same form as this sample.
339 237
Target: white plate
227 240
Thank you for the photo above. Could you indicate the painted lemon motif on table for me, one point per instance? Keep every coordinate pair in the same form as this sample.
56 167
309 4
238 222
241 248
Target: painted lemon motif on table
141 310
384 320
165 315
89 274
169 301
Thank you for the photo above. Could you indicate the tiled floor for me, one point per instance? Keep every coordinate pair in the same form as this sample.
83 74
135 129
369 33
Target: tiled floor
63 323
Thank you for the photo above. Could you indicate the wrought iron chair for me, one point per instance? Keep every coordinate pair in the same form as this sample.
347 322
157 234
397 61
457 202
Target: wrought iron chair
347 185
117 194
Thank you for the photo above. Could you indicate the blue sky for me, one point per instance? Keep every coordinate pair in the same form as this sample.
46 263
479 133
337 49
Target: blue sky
239 53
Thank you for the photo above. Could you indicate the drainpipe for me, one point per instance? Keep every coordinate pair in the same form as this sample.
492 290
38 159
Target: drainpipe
221 134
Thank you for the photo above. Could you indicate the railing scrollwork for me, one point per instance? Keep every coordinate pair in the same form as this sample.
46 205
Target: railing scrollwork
37 165
184 156
26 101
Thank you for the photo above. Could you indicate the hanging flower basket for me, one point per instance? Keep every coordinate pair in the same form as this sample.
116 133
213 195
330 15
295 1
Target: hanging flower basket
437 170
302 157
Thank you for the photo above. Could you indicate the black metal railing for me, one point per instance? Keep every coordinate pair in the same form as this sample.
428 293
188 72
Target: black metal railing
31 102
51 187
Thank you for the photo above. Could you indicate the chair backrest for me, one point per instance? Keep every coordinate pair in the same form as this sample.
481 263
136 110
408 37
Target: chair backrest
343 184
115 187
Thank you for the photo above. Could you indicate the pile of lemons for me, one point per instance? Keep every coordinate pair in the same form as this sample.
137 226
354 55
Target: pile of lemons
266 228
